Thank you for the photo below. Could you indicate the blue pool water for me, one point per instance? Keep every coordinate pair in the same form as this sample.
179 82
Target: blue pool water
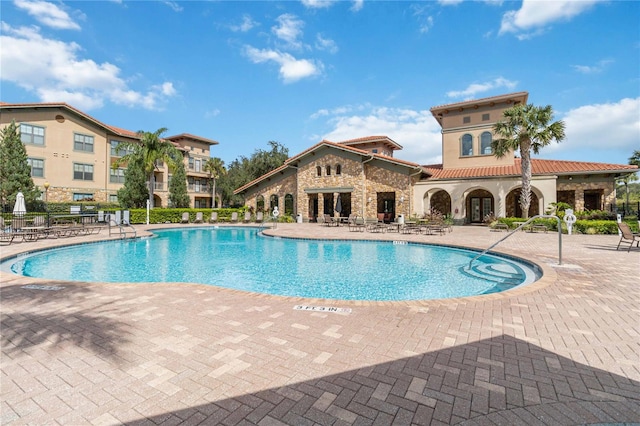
242 259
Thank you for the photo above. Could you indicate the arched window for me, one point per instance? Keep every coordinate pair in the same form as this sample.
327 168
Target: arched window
467 145
288 204
273 202
259 203
338 169
318 171
328 170
485 143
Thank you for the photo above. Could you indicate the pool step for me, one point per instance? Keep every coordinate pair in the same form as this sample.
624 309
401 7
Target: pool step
504 276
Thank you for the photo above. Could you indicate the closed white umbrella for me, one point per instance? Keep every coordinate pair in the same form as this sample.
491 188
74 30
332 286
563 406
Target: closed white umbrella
19 209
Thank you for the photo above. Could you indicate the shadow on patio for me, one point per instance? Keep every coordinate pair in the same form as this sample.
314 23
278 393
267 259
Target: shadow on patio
502 380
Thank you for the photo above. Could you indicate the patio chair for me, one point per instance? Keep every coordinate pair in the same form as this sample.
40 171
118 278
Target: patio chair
214 217
198 218
628 236
234 217
259 217
185 218
330 221
357 224
247 217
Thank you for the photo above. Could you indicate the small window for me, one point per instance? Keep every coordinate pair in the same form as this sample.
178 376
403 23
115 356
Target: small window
191 163
198 165
485 117
273 202
375 150
260 203
37 167
467 145
116 151
32 134
113 198
485 143
466 120
82 197
338 169
116 175
318 171
82 142
328 170
82 171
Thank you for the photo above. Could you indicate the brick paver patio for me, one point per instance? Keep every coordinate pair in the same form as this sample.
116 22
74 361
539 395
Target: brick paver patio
562 351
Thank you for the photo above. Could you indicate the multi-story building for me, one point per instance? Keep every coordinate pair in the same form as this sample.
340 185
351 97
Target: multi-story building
470 184
71 155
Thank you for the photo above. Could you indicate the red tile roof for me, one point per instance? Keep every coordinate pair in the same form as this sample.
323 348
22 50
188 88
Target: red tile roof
481 101
366 139
538 168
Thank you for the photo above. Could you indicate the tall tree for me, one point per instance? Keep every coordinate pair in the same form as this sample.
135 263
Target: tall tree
178 197
215 167
526 128
631 177
153 150
15 172
135 191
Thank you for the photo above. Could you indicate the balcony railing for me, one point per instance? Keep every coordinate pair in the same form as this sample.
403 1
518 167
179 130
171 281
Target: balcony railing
158 186
201 189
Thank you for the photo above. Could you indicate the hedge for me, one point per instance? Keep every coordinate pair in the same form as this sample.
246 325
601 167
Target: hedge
162 215
580 227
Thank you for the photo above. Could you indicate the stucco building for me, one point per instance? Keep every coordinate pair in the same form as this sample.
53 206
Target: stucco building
470 183
73 153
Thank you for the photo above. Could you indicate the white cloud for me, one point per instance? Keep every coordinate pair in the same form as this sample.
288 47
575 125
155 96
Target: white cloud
174 5
601 127
291 69
52 69
534 15
246 24
473 89
318 4
326 44
593 69
357 5
417 131
289 29
425 20
48 14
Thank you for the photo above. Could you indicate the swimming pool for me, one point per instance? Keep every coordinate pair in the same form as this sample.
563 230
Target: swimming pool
241 258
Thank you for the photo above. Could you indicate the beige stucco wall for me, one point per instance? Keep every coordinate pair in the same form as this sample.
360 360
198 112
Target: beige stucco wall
543 187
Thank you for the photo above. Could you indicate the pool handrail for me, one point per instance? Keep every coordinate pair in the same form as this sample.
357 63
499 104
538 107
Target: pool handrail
519 228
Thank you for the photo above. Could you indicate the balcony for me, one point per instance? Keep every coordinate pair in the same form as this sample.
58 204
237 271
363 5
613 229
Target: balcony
158 186
200 189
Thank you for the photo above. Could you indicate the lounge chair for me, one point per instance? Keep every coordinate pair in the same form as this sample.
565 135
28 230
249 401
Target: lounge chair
628 236
330 220
234 217
214 217
247 217
198 218
357 224
259 217
185 218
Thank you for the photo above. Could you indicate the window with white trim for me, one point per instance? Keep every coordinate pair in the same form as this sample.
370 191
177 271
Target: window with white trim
82 197
31 134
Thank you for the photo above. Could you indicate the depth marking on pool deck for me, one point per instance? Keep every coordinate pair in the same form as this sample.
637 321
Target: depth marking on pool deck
43 287
322 309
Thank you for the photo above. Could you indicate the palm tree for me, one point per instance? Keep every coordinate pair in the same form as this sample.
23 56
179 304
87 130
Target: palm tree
526 128
153 150
215 168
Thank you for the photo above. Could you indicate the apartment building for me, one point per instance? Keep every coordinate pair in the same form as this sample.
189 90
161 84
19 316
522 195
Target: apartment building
71 155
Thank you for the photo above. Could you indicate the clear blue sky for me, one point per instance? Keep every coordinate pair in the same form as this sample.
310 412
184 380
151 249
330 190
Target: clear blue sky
296 72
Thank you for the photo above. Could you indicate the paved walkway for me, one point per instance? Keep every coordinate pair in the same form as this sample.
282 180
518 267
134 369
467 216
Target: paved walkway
562 351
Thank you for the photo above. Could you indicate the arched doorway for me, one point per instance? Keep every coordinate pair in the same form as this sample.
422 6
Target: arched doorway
513 208
479 203
441 201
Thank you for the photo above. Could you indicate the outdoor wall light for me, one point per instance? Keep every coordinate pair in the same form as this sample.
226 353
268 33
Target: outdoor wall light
402 199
